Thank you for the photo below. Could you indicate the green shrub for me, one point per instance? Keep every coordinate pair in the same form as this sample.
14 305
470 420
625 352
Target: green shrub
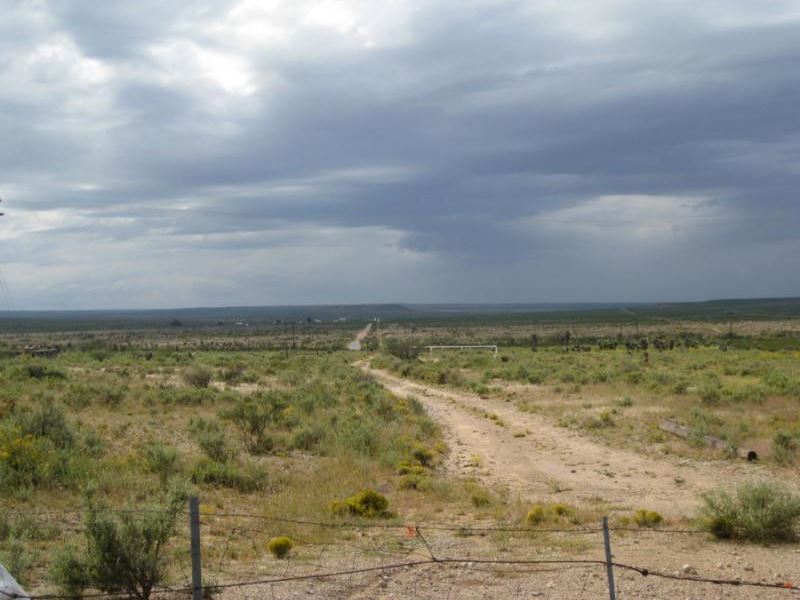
41 372
308 437
27 461
404 348
253 415
480 498
18 559
405 467
211 437
232 374
246 480
124 553
762 512
71 571
161 460
647 518
215 445
701 424
357 434
541 513
422 455
710 393
198 376
680 388
366 503
279 547
415 481
784 447
47 420
750 393
535 515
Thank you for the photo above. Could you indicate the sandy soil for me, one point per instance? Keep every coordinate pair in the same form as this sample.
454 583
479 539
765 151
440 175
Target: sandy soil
536 466
551 462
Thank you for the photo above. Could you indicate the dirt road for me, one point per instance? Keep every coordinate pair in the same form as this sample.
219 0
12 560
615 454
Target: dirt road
540 460
356 343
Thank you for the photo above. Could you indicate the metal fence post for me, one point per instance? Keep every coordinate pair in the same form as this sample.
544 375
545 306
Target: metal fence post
194 525
612 591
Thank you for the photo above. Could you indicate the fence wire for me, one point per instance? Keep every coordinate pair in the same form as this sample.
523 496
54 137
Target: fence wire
355 559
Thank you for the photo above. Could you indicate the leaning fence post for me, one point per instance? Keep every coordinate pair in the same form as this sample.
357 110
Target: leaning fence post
612 592
194 525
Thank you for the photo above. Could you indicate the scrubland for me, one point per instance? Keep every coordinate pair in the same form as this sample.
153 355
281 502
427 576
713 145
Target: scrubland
304 433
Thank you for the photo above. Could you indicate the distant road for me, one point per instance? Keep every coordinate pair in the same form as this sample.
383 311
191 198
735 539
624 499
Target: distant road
356 343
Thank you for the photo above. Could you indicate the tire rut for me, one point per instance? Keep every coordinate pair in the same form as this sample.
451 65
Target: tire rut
550 461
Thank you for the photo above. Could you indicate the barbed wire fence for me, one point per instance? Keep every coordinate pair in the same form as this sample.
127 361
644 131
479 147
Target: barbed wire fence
223 553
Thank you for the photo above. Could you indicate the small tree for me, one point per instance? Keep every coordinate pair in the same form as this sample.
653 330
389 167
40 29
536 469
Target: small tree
253 415
404 348
124 553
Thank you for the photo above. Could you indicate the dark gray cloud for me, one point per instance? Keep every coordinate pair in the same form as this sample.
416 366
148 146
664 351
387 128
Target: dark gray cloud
242 152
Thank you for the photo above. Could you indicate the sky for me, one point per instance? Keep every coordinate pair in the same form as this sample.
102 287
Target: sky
160 153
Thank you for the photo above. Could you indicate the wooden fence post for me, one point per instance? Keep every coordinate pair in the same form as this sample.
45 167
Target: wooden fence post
612 592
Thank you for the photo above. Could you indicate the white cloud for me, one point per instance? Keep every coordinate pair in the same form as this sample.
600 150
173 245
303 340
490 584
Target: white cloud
630 218
183 63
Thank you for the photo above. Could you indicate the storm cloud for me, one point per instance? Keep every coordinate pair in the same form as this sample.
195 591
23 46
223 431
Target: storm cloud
246 152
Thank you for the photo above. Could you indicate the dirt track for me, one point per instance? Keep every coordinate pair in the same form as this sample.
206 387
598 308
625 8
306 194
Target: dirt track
554 464
356 343
554 461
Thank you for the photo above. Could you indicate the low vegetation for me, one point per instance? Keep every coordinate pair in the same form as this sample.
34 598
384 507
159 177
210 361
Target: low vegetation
252 425
122 552
764 512
737 392
366 503
280 547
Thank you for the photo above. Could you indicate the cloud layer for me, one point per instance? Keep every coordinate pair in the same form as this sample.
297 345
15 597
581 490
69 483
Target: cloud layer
324 151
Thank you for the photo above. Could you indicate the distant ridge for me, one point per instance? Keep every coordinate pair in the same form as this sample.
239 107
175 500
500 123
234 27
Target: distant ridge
721 309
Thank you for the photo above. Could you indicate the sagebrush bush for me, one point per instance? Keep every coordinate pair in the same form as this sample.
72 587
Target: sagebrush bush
550 513
211 437
19 559
245 479
252 416
404 348
124 553
308 437
35 371
647 518
27 461
71 571
763 512
162 460
414 481
47 420
422 455
198 376
279 547
784 447
366 503
535 515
